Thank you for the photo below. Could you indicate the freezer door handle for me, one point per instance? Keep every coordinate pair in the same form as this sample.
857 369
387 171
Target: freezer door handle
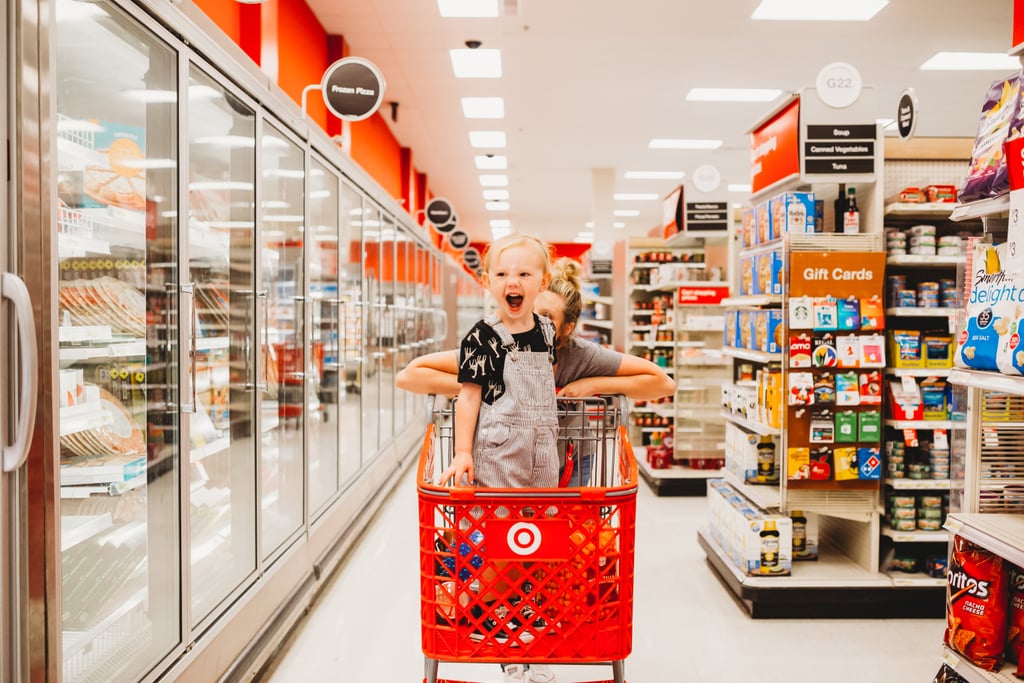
189 313
15 290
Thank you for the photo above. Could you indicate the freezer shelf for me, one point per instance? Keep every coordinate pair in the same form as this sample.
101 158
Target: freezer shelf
77 528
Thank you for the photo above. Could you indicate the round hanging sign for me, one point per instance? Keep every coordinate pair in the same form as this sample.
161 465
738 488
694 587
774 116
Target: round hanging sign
459 240
441 215
906 114
706 178
471 257
353 88
839 85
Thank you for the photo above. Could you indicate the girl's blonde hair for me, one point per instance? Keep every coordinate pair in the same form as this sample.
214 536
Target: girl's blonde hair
565 282
518 240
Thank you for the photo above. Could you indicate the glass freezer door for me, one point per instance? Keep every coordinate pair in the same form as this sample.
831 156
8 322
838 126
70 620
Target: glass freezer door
116 91
224 382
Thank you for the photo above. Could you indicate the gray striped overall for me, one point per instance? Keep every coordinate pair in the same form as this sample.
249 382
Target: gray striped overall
515 438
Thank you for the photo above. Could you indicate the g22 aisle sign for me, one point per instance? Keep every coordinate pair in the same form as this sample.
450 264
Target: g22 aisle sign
839 85
352 88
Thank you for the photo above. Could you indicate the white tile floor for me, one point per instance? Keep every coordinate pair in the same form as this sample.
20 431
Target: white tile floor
687 628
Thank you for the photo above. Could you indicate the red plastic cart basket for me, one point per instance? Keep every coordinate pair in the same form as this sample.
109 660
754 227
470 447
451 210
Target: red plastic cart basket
531 575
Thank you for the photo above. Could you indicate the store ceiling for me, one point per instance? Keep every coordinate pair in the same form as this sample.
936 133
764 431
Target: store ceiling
588 84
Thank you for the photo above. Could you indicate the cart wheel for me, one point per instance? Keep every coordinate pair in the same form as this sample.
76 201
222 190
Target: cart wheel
619 671
430 669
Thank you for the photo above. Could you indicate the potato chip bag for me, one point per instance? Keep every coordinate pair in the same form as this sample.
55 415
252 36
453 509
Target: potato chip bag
976 604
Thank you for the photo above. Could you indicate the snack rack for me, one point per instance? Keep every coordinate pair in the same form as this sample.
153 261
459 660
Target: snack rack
531 575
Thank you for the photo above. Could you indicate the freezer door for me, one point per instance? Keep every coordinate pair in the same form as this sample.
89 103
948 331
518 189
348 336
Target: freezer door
117 289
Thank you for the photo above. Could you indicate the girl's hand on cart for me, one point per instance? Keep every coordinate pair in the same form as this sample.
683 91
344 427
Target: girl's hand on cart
462 464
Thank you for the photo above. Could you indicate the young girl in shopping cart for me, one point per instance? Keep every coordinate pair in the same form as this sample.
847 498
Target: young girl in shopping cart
506 425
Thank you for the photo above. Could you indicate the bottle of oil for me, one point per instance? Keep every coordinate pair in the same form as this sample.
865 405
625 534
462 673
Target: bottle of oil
769 547
799 532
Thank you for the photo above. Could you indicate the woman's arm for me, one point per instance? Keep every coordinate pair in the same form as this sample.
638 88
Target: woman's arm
434 373
636 378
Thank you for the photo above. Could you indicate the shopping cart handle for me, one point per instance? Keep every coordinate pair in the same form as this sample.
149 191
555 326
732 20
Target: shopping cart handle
570 460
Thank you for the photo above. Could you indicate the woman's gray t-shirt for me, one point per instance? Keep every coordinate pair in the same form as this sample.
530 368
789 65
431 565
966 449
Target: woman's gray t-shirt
579 359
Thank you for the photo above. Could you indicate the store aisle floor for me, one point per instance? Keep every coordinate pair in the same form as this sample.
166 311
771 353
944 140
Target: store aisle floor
687 628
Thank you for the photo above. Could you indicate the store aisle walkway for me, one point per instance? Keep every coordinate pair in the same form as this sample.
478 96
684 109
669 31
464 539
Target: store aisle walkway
687 628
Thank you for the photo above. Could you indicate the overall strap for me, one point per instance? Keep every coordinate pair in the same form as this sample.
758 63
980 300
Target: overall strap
548 328
499 328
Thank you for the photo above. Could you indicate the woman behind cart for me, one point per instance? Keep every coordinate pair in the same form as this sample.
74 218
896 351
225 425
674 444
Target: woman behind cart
584 368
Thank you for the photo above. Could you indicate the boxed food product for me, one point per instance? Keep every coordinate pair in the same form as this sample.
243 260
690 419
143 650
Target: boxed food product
769 272
729 335
805 535
938 350
765 232
933 399
905 399
905 348
768 330
792 212
744 328
912 195
749 228
941 193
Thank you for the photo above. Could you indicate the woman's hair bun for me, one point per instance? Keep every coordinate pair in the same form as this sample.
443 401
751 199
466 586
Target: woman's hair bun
567 269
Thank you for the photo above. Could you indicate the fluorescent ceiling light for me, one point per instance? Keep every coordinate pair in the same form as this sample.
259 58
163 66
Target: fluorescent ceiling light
491 162
487 138
654 175
483 107
496 195
818 10
740 187
677 143
733 94
500 223
496 206
737 205
586 233
494 180
582 238
971 61
626 213
616 224
635 196
478 63
468 8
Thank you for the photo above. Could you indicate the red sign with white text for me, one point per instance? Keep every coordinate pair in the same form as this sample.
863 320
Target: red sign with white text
536 539
701 296
1018 24
775 148
1015 163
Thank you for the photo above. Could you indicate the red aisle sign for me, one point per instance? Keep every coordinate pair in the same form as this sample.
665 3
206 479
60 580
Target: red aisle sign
1018 24
700 296
775 148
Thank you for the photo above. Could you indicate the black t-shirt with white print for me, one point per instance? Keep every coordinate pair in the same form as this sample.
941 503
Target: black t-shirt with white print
482 358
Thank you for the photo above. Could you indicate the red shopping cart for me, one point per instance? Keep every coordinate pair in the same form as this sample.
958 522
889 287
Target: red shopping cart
531 575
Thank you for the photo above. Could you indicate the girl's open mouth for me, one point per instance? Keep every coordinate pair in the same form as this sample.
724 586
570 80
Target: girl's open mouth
515 301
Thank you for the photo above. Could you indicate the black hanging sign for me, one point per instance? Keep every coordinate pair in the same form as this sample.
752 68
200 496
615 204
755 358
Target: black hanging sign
906 114
707 217
352 88
471 257
441 215
459 240
839 149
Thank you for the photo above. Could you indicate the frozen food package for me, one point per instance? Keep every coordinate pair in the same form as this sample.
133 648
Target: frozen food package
993 130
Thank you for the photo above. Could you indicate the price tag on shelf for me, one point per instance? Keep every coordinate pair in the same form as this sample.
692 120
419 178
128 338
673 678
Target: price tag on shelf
950 658
954 525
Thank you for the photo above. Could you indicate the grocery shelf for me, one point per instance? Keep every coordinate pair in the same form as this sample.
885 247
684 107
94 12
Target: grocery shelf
915 536
676 480
925 424
596 299
753 300
919 372
766 496
653 344
922 312
915 580
603 324
220 445
750 425
918 484
112 489
833 586
973 674
79 418
662 409
212 343
77 528
72 246
99 350
1001 533
922 210
925 261
990 381
996 207
750 354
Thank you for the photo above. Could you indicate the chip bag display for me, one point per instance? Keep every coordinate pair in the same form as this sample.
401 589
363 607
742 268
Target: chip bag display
1015 622
976 604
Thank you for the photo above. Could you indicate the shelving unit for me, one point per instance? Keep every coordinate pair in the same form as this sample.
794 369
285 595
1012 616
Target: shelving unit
683 337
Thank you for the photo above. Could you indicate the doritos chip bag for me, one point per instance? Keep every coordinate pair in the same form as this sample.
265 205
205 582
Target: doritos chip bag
976 599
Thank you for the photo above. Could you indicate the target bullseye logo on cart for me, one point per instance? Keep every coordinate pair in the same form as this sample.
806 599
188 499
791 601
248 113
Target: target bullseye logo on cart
523 538
537 539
